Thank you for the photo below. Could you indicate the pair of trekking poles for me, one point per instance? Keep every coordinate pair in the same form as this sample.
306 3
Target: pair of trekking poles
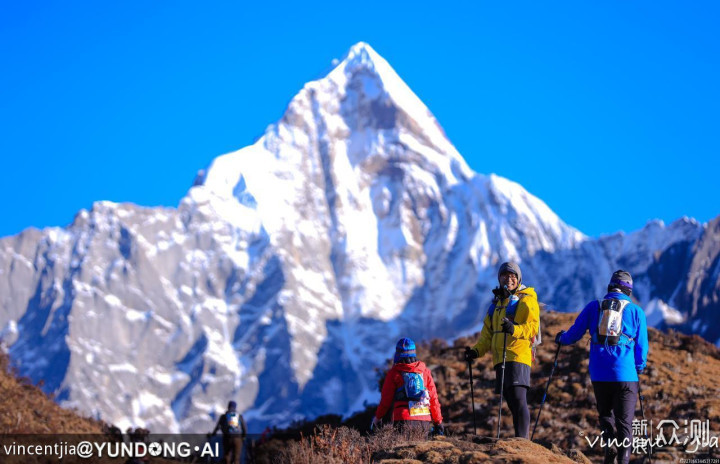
542 403
502 384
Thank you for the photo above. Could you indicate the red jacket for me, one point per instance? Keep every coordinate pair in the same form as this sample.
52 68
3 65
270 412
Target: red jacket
401 412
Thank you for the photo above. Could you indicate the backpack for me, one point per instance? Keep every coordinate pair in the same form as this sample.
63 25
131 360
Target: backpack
609 328
233 421
412 389
510 314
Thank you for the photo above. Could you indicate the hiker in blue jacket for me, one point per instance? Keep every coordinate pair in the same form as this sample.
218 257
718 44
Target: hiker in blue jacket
618 353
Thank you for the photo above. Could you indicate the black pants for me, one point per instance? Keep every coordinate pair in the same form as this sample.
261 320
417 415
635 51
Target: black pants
516 398
515 387
616 408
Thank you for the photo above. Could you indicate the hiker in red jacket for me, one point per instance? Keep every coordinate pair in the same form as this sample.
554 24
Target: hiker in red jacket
409 384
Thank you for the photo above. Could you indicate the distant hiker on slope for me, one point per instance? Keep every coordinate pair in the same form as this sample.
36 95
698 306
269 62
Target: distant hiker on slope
409 384
513 317
234 431
618 353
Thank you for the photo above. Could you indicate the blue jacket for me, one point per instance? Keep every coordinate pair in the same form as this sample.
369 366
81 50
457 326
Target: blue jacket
613 363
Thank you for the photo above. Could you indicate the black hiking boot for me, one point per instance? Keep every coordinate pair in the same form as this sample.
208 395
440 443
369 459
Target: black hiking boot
610 455
624 456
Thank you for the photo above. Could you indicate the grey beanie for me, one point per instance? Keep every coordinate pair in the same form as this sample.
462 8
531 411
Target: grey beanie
511 267
621 279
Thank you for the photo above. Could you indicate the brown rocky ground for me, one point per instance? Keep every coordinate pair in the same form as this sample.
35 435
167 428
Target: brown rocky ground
478 450
331 445
682 383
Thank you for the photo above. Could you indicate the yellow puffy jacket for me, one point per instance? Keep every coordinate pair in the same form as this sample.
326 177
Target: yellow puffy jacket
527 323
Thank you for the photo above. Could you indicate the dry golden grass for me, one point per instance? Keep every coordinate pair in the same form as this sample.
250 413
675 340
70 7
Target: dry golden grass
25 408
343 445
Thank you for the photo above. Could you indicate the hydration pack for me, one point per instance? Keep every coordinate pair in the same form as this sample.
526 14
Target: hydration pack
609 329
233 421
412 389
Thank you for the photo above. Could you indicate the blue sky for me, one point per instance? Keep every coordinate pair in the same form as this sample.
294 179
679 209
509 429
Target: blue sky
609 111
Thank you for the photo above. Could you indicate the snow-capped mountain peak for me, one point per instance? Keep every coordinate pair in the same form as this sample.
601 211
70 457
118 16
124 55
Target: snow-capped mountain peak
361 55
358 173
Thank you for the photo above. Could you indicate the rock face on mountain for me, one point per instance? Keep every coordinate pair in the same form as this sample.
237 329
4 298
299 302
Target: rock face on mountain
699 290
286 274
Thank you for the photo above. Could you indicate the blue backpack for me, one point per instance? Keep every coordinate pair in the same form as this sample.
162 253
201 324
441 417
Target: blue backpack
412 389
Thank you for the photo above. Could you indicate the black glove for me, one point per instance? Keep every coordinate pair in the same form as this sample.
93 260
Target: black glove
501 293
470 354
557 337
438 429
639 370
507 326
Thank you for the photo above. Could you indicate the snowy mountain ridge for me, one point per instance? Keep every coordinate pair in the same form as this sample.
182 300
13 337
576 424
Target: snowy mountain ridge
290 268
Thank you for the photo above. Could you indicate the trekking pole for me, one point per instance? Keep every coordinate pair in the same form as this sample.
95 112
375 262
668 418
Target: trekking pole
542 403
642 412
502 383
472 398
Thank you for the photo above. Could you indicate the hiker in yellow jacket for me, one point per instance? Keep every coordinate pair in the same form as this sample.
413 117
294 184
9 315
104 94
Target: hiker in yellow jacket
515 312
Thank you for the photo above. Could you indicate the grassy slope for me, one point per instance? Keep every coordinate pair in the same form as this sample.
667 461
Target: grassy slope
24 408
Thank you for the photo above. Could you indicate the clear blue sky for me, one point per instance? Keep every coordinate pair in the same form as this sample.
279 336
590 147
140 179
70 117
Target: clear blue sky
593 106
